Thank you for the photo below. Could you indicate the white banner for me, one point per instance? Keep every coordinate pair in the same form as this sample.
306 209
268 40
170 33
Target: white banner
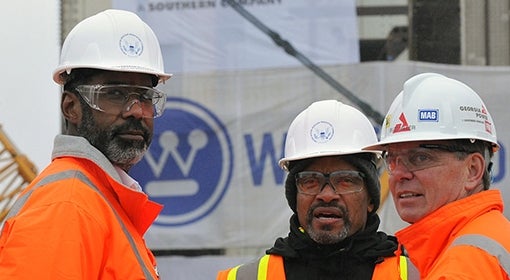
213 161
198 35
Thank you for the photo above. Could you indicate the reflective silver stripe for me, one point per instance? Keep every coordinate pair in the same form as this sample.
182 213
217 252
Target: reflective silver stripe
412 270
248 271
16 207
80 176
487 244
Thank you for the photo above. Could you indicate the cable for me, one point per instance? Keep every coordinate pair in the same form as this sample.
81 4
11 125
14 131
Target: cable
289 49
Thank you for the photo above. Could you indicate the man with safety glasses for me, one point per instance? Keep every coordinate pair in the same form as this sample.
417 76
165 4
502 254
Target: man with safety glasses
333 189
438 140
84 217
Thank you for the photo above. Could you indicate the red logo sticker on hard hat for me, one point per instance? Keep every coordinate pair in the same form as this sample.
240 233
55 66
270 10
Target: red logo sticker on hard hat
131 45
484 110
322 132
488 127
403 125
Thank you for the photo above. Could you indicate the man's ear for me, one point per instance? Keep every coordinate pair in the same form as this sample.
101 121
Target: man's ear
370 206
71 107
476 169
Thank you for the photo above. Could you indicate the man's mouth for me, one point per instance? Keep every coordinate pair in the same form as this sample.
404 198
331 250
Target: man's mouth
132 135
409 195
327 213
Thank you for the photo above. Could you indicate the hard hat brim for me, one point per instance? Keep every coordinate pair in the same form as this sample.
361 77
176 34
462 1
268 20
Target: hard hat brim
382 145
57 74
284 162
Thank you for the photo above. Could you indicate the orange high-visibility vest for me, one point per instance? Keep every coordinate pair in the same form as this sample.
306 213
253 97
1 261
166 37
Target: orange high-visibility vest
465 239
270 267
75 221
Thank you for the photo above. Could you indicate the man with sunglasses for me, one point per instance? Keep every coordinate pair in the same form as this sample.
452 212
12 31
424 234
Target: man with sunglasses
84 217
438 140
333 189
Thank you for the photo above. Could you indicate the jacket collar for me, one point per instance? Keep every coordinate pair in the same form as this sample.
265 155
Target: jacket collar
79 147
140 210
426 239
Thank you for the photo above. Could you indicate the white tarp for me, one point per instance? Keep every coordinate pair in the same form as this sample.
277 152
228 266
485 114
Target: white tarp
213 161
254 109
201 35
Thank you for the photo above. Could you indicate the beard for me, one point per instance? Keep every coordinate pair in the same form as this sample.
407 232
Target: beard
121 152
325 235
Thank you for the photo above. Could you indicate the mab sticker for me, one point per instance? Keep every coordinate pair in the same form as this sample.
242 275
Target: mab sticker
428 115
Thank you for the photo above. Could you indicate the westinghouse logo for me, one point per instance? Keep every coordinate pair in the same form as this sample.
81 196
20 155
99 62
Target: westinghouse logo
189 165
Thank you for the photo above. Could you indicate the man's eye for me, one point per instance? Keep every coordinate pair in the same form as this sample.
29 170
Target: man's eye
115 94
419 158
146 96
346 179
309 181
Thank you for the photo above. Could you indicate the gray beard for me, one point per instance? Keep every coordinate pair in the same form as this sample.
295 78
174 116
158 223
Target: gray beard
324 235
120 152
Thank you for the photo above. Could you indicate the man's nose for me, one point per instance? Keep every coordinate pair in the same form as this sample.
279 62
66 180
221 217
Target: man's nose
134 107
327 192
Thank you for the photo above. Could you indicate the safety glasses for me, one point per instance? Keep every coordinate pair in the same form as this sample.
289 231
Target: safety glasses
423 157
342 181
114 98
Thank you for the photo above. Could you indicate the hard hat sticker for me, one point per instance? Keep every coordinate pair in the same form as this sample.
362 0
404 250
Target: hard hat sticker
428 115
322 132
480 115
131 45
488 127
403 125
387 121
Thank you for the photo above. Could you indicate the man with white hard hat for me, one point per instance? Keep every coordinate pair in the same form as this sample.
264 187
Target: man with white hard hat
438 140
84 217
333 189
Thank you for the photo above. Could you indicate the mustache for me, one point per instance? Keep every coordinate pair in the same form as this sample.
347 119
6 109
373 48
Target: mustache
130 125
333 204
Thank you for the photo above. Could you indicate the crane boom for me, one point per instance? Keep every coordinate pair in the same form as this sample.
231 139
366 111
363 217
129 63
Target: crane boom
16 172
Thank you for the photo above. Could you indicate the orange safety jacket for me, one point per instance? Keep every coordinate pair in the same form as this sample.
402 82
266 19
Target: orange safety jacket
271 267
466 239
76 220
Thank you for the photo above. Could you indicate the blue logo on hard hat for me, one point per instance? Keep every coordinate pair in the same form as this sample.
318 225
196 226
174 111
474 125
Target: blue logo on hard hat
189 164
322 132
428 115
131 45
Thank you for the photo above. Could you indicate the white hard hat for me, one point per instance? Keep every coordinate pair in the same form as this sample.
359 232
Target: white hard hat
327 128
114 40
434 107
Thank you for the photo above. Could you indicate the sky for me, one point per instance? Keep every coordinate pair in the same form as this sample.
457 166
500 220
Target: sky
29 99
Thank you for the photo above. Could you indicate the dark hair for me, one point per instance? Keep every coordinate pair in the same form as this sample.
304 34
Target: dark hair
77 77
80 76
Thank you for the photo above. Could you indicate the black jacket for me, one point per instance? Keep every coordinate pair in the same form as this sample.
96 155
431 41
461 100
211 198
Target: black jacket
353 258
